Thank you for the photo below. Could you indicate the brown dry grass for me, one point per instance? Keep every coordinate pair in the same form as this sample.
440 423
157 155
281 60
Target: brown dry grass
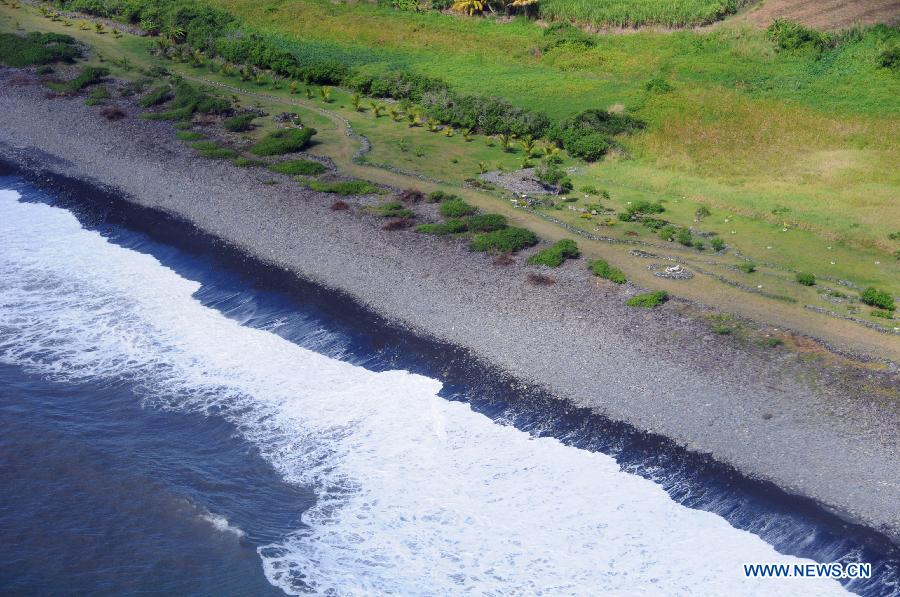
826 14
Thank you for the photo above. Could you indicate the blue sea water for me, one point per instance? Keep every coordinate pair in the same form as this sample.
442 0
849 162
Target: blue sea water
173 421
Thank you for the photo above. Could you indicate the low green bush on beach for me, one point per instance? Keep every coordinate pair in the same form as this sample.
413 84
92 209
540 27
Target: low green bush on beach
507 240
239 123
555 256
35 48
89 75
603 269
97 96
456 208
298 168
453 226
190 100
747 268
394 209
648 300
347 187
189 136
485 223
283 141
217 153
248 163
806 279
158 95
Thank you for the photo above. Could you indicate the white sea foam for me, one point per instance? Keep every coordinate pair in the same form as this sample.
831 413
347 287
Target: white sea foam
416 495
220 523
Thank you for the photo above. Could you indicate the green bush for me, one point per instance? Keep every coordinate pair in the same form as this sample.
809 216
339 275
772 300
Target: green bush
603 269
684 237
506 240
747 268
298 168
347 187
239 123
217 153
667 233
283 141
189 136
37 48
456 208
204 145
247 163
97 96
394 209
448 227
89 75
877 298
188 101
588 135
158 95
485 223
717 243
440 196
698 244
789 35
882 314
806 279
648 300
555 256
554 176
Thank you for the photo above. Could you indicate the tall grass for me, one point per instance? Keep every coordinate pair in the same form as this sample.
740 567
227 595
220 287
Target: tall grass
634 13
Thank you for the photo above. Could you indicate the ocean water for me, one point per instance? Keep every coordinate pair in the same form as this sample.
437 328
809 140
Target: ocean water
168 426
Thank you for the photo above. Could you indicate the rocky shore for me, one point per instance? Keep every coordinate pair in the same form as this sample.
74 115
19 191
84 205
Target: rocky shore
823 432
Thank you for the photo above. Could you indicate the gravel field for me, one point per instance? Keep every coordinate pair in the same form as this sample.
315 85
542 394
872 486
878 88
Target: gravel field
811 429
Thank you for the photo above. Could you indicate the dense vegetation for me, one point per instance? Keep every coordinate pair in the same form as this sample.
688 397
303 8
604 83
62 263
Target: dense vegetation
648 300
632 13
555 256
186 100
283 141
603 269
37 48
298 168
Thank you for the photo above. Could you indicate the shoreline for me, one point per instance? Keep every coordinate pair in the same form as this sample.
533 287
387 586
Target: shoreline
661 372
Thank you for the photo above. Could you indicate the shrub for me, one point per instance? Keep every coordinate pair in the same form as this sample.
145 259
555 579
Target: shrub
204 145
448 227
340 206
347 187
89 75
239 123
555 256
747 268
298 168
439 196
588 135
506 240
641 208
698 244
394 209
188 101
603 269
554 176
37 48
158 95
658 85
882 314
717 243
684 237
97 96
648 300
806 279
889 58
283 141
485 223
399 224
456 208
189 136
667 233
247 163
788 35
217 153
877 298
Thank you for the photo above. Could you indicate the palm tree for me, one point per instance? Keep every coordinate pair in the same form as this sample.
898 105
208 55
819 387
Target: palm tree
432 125
449 131
356 99
377 109
467 134
528 145
294 87
551 149
395 113
505 141
197 58
413 119
84 25
482 167
326 93
309 93
173 32
98 27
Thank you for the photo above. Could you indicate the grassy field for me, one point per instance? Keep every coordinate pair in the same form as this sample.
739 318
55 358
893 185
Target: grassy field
634 13
789 185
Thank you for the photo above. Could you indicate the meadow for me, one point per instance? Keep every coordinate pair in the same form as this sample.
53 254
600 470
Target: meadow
791 154
634 13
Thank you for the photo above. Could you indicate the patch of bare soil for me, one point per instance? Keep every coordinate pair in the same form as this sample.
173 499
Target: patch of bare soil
824 14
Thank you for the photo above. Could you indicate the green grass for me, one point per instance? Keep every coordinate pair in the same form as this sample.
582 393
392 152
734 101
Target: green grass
349 187
603 269
555 256
283 141
189 136
298 168
632 13
648 300
506 240
36 48
89 75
